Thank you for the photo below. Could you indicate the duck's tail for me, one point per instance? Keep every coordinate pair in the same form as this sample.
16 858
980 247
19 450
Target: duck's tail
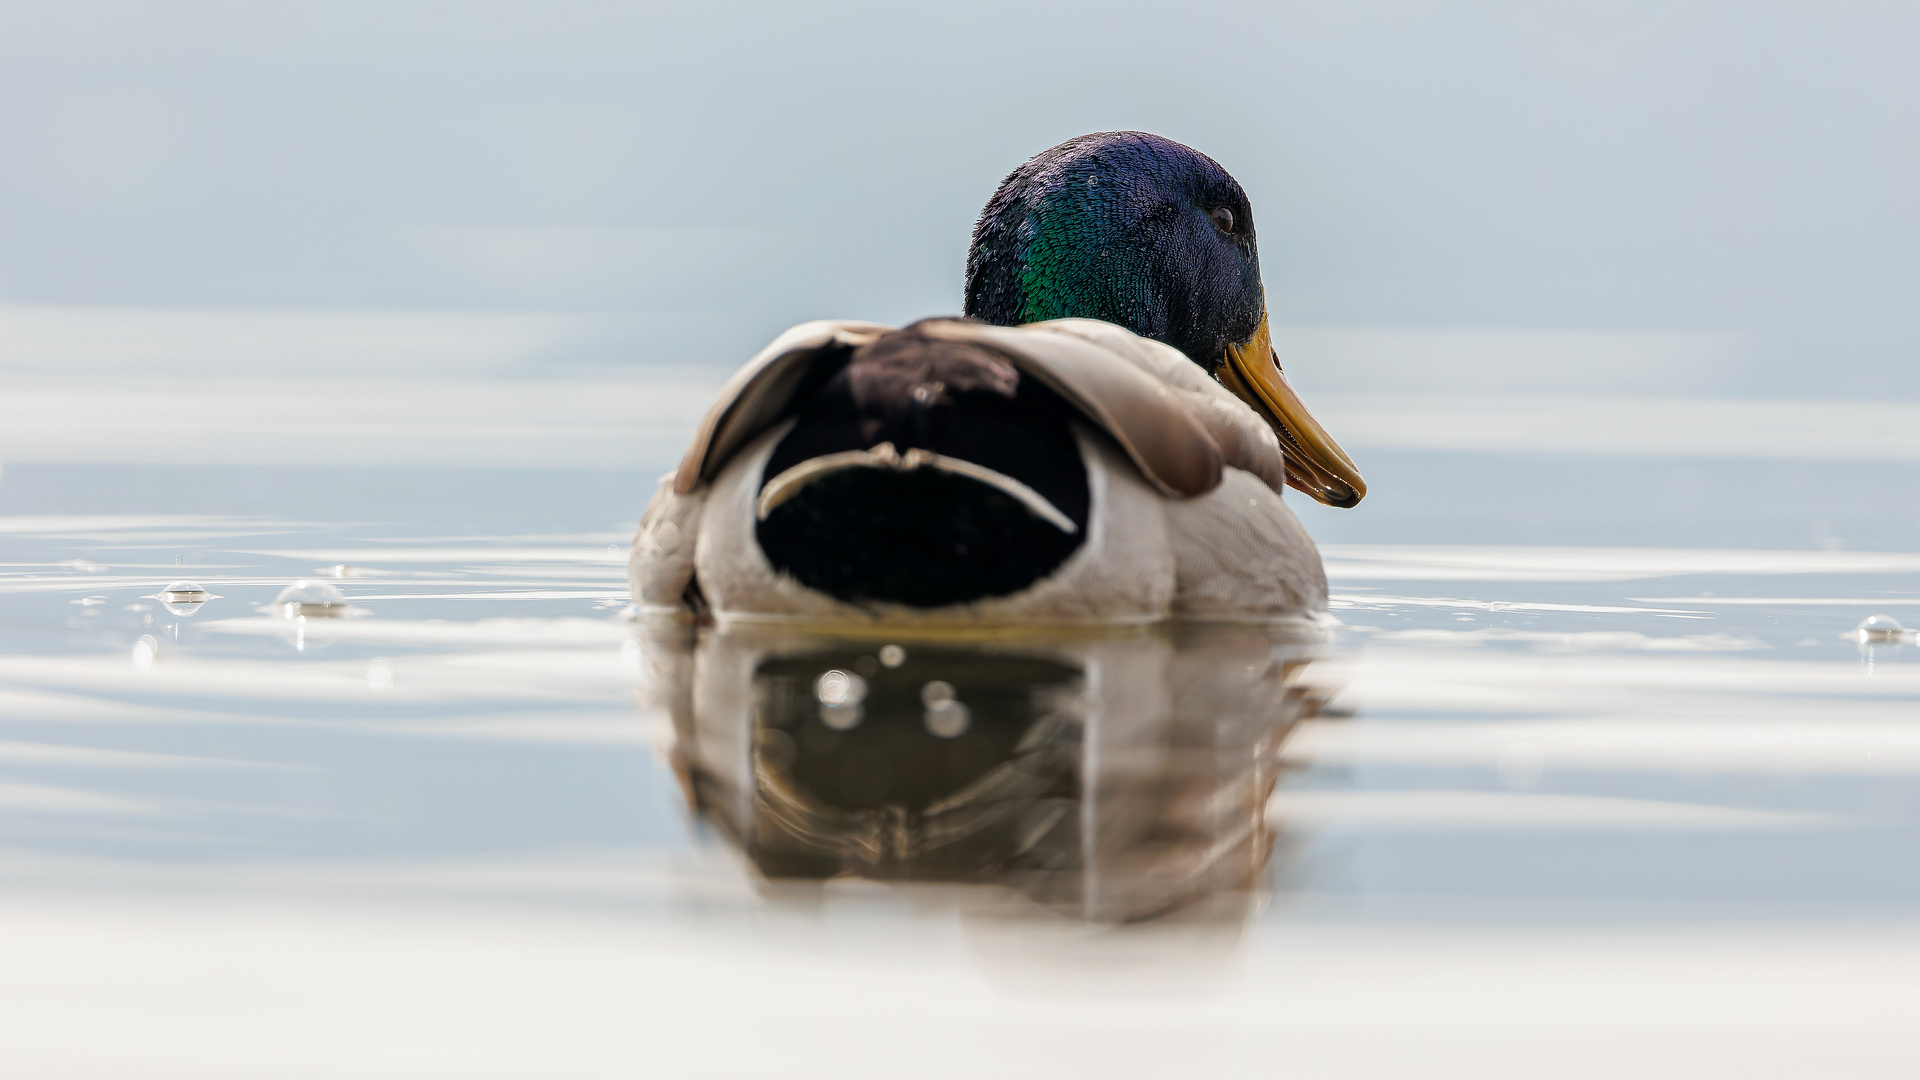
925 473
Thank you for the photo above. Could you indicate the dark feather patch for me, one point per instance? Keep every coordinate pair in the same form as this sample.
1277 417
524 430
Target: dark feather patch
927 538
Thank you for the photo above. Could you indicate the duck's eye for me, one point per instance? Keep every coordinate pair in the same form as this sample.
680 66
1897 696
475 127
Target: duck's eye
1222 217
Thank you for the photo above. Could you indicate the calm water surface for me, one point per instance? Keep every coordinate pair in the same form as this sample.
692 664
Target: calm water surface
1527 810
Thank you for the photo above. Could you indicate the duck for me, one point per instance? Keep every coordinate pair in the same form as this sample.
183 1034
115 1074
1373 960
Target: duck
1103 435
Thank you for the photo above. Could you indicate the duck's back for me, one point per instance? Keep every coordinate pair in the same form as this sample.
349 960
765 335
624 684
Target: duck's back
1065 470
926 472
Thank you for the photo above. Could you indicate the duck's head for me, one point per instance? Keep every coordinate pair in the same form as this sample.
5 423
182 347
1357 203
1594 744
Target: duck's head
1145 233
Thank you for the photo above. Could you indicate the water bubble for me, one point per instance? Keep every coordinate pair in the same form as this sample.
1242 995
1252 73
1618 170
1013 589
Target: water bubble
892 655
666 537
945 716
379 673
867 666
310 600
948 720
840 694
1879 628
613 552
145 651
838 687
1521 765
182 597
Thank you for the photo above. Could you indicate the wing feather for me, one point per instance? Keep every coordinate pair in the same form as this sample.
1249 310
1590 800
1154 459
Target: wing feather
761 393
1179 426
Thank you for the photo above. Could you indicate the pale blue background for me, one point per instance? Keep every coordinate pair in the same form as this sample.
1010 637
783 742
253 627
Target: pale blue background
1719 167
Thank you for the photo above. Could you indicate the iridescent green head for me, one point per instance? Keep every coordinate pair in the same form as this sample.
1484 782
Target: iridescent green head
1126 227
1145 233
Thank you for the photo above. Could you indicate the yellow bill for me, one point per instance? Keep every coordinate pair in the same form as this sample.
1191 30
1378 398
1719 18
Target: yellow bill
1315 463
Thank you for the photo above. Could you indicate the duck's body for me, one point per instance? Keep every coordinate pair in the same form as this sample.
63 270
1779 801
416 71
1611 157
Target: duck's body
1067 469
1178 514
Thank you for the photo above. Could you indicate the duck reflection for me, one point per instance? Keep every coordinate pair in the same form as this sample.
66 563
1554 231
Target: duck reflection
1112 778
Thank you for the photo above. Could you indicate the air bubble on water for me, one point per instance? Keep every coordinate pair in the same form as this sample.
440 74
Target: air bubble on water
310 600
145 652
838 687
613 552
840 694
892 655
379 673
949 719
936 693
183 597
867 666
1875 629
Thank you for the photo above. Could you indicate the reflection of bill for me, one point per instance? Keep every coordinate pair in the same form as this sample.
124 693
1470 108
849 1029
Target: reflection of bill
1114 777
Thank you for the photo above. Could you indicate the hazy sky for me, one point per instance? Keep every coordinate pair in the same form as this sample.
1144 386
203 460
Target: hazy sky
1738 169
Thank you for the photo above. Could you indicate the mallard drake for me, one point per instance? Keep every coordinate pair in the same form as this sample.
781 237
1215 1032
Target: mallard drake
1103 436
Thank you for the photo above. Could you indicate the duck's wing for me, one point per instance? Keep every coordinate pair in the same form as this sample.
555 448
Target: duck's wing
1176 424
766 390
1154 425
1245 440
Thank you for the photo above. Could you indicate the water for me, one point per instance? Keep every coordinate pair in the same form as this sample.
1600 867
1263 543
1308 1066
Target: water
1108 776
1535 809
